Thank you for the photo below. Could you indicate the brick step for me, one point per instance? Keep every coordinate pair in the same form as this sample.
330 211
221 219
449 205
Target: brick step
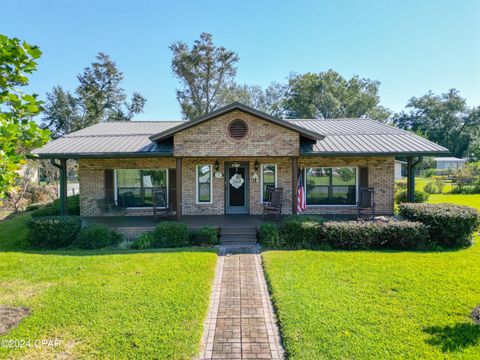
231 238
238 230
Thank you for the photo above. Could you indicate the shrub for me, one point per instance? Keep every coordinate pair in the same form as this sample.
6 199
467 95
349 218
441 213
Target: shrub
269 236
401 235
401 196
97 236
143 241
401 184
448 225
299 234
206 235
170 234
73 207
466 189
53 231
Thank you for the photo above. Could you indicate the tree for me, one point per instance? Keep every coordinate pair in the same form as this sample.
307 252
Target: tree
62 112
330 95
445 119
19 133
205 71
269 100
99 98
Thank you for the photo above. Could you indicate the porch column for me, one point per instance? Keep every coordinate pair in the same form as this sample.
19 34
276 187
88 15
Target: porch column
411 178
178 186
62 167
294 184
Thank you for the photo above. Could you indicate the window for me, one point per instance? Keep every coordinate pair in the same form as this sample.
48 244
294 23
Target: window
204 184
331 186
269 180
135 187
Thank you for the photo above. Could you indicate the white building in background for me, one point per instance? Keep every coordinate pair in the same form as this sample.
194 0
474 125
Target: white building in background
400 169
449 163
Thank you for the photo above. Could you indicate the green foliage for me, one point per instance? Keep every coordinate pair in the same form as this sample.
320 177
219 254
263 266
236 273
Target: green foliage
73 207
330 95
170 234
53 231
445 119
143 241
401 235
298 233
466 189
269 236
99 97
18 132
97 236
448 225
206 235
204 70
434 187
401 196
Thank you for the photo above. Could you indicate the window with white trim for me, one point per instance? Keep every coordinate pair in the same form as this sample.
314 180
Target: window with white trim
269 179
135 187
204 184
331 185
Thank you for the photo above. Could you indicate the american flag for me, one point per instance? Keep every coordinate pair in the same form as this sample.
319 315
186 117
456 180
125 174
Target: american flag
301 200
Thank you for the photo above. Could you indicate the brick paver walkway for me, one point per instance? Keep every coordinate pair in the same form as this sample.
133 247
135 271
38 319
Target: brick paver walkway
241 323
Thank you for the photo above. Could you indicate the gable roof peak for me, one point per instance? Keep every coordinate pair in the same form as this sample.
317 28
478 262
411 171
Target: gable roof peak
309 134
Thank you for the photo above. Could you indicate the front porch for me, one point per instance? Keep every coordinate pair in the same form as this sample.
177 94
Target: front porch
242 225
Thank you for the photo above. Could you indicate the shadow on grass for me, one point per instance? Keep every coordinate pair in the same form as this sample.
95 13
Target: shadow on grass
453 338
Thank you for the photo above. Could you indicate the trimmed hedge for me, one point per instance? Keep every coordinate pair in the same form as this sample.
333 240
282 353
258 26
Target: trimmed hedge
269 236
97 236
299 233
400 235
143 241
53 231
448 225
170 234
73 207
420 196
206 235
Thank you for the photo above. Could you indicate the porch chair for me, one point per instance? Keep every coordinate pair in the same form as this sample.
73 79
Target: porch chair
107 205
274 204
366 203
161 208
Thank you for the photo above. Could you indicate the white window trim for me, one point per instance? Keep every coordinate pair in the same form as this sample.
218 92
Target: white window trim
115 186
261 180
332 205
196 185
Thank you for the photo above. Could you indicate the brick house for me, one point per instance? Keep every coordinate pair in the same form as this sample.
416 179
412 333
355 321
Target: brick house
223 162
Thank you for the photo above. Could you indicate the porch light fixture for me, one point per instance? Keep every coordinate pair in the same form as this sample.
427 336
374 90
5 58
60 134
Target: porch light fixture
217 165
256 165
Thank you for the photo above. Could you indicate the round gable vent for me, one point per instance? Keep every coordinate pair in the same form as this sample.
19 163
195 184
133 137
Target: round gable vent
237 129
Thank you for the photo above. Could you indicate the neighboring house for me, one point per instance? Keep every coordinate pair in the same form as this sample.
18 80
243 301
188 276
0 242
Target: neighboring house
29 172
400 169
221 163
449 163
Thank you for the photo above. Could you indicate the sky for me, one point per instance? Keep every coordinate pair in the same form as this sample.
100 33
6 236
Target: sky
411 47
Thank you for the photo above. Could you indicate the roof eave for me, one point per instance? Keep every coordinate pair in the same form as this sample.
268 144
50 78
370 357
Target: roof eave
98 155
357 154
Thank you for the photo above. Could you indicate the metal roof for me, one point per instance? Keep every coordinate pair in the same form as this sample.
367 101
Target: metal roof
343 137
307 133
364 137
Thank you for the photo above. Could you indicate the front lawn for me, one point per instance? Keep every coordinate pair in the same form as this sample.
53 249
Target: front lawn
104 304
364 305
378 304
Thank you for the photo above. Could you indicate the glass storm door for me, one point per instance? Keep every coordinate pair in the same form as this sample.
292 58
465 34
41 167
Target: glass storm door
236 191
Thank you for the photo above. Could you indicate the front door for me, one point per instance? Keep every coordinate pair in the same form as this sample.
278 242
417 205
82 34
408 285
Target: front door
236 188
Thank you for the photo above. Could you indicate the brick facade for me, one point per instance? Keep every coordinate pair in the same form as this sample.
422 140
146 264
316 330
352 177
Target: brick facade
208 142
211 139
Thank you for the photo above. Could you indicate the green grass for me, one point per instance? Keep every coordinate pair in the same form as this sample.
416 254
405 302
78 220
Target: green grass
374 304
105 304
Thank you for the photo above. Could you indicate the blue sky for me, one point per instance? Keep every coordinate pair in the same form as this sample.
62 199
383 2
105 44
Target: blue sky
410 46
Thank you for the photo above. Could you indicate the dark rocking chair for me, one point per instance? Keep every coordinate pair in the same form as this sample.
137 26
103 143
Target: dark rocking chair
366 204
108 206
161 208
274 204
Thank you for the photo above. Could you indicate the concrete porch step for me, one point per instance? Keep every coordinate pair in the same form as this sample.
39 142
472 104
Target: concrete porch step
238 230
238 235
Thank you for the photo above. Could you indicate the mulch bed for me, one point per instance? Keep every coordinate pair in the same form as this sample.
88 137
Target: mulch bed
10 317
